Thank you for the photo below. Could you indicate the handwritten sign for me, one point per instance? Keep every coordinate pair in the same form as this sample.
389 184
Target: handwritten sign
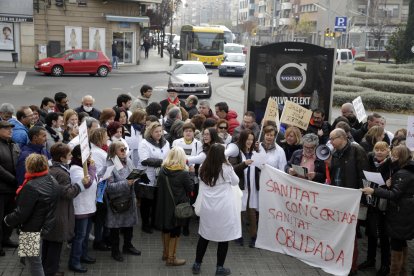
410 133
295 115
359 109
309 221
84 141
272 112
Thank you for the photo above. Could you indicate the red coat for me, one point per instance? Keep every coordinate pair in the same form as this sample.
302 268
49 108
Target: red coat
232 121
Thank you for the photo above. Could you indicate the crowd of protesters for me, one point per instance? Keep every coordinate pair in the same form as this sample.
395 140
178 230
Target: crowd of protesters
183 148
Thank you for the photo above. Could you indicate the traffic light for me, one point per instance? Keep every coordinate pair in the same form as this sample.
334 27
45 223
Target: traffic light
327 32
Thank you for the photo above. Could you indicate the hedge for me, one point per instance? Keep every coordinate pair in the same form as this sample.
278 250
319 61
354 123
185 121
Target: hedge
383 69
347 80
387 101
380 76
349 88
389 86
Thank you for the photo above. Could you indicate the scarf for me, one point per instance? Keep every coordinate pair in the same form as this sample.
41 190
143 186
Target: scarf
105 147
139 127
53 133
175 102
175 167
29 176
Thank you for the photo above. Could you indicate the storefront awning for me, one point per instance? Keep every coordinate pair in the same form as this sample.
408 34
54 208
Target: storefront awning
133 19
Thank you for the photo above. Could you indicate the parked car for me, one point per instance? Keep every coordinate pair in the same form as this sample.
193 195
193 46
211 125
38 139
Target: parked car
234 64
344 56
75 62
233 48
190 78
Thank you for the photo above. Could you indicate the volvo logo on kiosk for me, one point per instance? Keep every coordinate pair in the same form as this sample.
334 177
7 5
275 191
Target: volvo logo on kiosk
291 77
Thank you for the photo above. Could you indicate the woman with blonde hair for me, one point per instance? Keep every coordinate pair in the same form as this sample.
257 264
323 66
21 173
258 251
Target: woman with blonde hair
36 204
374 135
70 122
152 151
292 141
175 177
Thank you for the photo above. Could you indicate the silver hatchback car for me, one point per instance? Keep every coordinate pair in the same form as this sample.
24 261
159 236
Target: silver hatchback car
190 78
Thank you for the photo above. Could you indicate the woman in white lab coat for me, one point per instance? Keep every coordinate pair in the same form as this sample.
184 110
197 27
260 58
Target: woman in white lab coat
220 208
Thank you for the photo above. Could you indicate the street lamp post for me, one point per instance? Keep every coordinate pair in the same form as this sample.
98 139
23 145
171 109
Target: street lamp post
171 30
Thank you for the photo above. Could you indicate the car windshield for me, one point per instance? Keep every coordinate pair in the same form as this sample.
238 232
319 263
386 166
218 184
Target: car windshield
236 58
189 69
233 49
60 55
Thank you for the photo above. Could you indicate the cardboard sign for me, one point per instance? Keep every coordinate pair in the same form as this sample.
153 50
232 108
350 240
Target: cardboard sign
84 141
410 133
307 220
359 109
296 115
272 112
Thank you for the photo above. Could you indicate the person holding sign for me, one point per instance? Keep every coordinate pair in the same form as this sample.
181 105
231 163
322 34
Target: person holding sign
240 156
308 165
347 165
85 208
120 195
219 210
400 220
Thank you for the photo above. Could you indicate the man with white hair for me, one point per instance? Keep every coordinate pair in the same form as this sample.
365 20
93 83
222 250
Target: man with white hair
6 111
87 106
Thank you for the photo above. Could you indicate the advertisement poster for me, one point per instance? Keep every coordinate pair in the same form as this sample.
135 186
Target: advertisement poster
290 71
97 39
73 38
6 36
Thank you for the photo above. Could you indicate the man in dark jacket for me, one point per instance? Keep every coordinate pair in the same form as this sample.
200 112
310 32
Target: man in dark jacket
62 101
46 106
37 137
191 105
171 99
87 106
249 122
347 165
9 152
374 119
319 126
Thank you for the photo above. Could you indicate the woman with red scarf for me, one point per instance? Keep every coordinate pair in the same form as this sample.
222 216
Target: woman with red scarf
36 204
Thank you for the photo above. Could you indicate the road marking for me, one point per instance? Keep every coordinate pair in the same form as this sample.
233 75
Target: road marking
20 78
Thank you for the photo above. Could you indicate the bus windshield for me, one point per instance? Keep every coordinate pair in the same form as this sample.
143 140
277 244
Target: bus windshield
208 43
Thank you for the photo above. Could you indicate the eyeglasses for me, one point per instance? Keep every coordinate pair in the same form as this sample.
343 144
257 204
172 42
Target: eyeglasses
122 149
308 148
222 127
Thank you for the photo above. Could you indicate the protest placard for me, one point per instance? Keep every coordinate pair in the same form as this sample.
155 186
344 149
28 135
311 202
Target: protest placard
84 144
309 221
359 109
295 115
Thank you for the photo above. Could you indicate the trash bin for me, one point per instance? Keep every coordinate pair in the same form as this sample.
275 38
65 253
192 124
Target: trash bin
15 57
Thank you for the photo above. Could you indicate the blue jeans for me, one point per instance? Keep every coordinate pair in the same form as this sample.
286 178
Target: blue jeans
115 62
80 241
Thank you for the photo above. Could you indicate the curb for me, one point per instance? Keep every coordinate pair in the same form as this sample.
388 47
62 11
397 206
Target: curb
29 69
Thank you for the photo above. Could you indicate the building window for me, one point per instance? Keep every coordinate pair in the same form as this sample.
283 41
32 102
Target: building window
389 10
362 9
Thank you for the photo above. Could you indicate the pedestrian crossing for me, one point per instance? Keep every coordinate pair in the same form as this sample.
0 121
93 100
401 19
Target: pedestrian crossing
19 80
7 76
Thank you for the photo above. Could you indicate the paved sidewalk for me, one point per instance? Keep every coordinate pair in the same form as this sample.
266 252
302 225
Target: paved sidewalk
241 260
154 64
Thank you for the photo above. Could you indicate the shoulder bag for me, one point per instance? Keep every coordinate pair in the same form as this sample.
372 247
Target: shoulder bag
183 210
120 204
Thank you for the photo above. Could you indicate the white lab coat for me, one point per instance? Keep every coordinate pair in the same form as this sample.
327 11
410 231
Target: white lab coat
220 218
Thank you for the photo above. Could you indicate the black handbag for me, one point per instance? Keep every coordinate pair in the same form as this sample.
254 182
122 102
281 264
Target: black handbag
120 204
183 210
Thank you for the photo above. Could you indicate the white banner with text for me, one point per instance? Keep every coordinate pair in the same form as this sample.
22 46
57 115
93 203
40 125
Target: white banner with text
309 221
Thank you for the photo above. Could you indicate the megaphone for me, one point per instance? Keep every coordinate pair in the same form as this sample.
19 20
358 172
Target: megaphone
323 152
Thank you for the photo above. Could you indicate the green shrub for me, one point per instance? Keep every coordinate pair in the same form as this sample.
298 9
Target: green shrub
374 100
347 80
348 88
361 68
381 76
389 86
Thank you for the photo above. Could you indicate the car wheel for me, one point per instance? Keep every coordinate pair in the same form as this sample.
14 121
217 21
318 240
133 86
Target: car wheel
57 71
103 71
220 74
210 92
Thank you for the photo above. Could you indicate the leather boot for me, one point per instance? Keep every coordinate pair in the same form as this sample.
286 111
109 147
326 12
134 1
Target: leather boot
172 249
404 269
165 242
396 262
